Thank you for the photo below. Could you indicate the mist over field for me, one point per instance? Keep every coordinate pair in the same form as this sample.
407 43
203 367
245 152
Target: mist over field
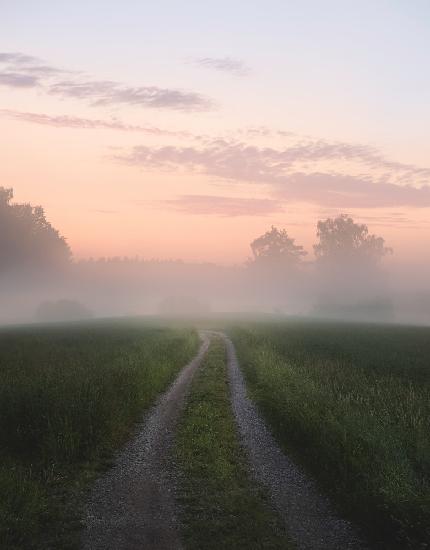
161 162
349 275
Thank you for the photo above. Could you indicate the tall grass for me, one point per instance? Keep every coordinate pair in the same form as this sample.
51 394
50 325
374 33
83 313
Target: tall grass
352 403
68 397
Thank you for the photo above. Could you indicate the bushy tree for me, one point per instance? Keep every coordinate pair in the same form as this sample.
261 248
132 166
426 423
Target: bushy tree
276 249
342 241
349 280
27 239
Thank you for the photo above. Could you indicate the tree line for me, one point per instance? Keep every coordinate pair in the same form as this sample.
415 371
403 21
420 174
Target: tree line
28 240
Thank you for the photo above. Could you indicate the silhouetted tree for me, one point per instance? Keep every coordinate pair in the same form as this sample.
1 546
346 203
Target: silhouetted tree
350 283
274 274
27 239
343 241
276 249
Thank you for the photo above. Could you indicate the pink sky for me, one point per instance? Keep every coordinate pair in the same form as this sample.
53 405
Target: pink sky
191 153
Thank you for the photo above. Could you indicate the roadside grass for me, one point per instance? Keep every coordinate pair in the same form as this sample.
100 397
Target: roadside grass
220 505
69 396
351 403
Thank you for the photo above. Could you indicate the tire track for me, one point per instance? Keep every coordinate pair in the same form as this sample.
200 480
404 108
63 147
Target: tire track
308 516
132 506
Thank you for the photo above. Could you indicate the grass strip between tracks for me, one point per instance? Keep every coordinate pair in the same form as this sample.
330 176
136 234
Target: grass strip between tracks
220 507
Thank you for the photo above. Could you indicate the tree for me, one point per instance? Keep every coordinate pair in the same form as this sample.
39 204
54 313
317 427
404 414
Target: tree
349 281
27 239
342 241
276 249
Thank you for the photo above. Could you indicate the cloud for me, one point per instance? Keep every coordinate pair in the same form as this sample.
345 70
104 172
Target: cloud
17 80
109 93
17 58
344 191
237 159
65 121
224 64
277 169
223 206
263 131
18 70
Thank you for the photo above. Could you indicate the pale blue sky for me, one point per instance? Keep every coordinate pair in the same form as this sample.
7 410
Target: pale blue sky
367 56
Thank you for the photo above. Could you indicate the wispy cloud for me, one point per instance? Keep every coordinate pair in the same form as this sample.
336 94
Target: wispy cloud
278 170
17 58
17 80
238 159
343 191
18 70
109 93
223 206
224 64
65 121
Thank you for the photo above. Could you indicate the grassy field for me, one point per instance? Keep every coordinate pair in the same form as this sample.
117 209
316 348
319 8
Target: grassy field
351 403
221 507
69 396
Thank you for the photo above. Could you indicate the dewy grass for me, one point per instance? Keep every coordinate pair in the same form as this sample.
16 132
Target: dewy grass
352 403
220 505
68 397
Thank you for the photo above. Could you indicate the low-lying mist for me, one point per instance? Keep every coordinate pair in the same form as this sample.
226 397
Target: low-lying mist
123 288
348 278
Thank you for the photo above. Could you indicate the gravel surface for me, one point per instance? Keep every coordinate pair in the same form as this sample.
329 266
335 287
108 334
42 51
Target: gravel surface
308 516
132 506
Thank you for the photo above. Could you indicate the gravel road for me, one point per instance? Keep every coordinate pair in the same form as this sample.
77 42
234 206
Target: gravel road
308 516
132 506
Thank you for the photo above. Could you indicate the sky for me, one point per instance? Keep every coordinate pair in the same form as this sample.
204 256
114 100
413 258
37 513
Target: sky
186 129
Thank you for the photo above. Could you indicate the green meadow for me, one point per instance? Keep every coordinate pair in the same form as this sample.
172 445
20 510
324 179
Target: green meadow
69 396
351 403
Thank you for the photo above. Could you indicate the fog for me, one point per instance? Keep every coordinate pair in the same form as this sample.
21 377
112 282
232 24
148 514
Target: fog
351 275
123 288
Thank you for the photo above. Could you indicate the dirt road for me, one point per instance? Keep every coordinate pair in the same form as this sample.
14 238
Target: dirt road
309 518
132 506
